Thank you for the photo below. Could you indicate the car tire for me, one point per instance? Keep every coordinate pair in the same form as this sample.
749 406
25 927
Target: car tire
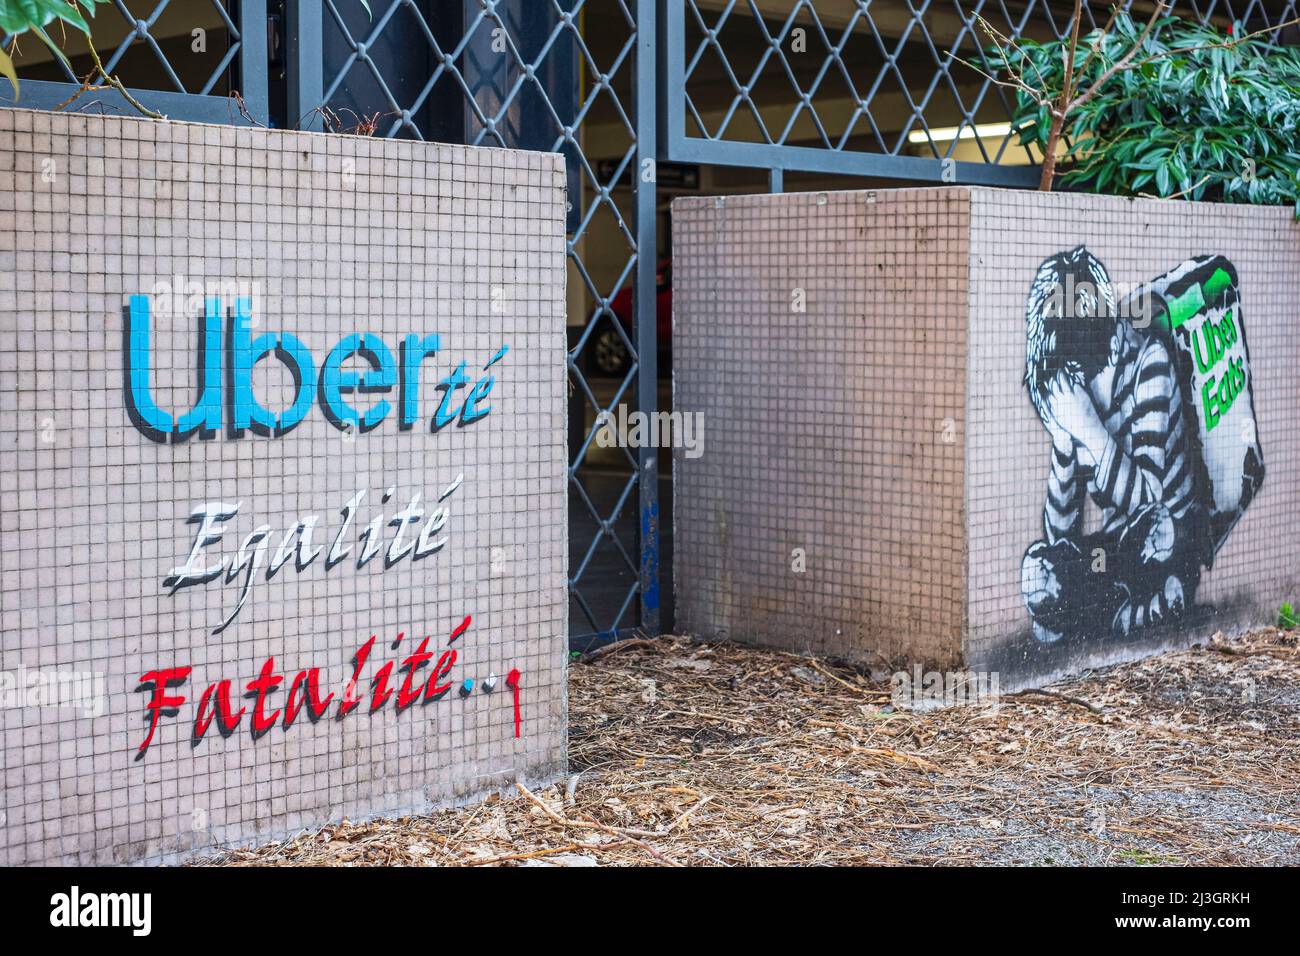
609 354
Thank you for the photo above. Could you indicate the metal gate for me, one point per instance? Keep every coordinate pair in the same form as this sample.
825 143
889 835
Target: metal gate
533 74
620 87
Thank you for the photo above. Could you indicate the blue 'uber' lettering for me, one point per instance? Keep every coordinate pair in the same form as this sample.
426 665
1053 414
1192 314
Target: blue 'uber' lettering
228 353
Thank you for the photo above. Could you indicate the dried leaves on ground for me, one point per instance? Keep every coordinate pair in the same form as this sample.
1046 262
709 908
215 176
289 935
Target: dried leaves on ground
717 754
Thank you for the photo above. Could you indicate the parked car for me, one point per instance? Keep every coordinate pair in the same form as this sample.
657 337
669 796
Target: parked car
609 355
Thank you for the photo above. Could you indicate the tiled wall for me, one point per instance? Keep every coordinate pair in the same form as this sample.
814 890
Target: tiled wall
887 431
1008 455
823 336
332 236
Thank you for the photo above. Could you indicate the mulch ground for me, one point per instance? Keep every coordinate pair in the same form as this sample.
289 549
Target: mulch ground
685 753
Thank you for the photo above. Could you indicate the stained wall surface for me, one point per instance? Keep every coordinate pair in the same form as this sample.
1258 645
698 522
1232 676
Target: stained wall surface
1235 267
344 497
823 339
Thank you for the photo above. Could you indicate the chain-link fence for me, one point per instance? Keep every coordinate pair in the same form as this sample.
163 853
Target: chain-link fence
562 76
899 90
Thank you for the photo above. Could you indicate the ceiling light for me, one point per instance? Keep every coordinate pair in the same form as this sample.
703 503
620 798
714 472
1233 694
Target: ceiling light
945 133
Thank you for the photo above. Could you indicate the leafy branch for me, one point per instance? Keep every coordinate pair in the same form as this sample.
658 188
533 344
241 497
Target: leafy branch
1179 112
33 16
18 17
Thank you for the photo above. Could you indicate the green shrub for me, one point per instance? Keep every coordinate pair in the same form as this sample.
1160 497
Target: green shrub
1195 113
1286 618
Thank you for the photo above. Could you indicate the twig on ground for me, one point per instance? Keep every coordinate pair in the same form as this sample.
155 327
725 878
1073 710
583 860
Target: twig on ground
591 825
1040 692
617 647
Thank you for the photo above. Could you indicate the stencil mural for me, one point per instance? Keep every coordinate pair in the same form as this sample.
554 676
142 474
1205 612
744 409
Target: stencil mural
1147 400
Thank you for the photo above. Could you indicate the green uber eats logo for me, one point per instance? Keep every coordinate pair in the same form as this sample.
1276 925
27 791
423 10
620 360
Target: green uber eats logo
1223 374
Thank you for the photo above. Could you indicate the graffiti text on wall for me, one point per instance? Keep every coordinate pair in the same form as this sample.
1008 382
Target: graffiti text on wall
228 400
1154 424
415 537
304 697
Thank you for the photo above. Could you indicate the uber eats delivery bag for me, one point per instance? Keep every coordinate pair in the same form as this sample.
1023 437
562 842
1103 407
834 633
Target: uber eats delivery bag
1196 308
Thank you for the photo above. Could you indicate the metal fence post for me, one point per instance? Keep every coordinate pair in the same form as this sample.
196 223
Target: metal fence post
671 79
645 304
253 59
305 52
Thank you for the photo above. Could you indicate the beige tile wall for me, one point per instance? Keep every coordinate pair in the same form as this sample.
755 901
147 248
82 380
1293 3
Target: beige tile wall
333 235
825 429
834 431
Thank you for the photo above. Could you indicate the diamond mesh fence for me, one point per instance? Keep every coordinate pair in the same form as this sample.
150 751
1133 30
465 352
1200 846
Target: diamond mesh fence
861 80
555 76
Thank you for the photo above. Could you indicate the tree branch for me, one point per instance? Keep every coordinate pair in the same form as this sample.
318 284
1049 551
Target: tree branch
1123 62
1063 105
110 82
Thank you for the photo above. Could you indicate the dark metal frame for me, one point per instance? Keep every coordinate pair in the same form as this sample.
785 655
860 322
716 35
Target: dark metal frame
645 305
834 158
778 156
